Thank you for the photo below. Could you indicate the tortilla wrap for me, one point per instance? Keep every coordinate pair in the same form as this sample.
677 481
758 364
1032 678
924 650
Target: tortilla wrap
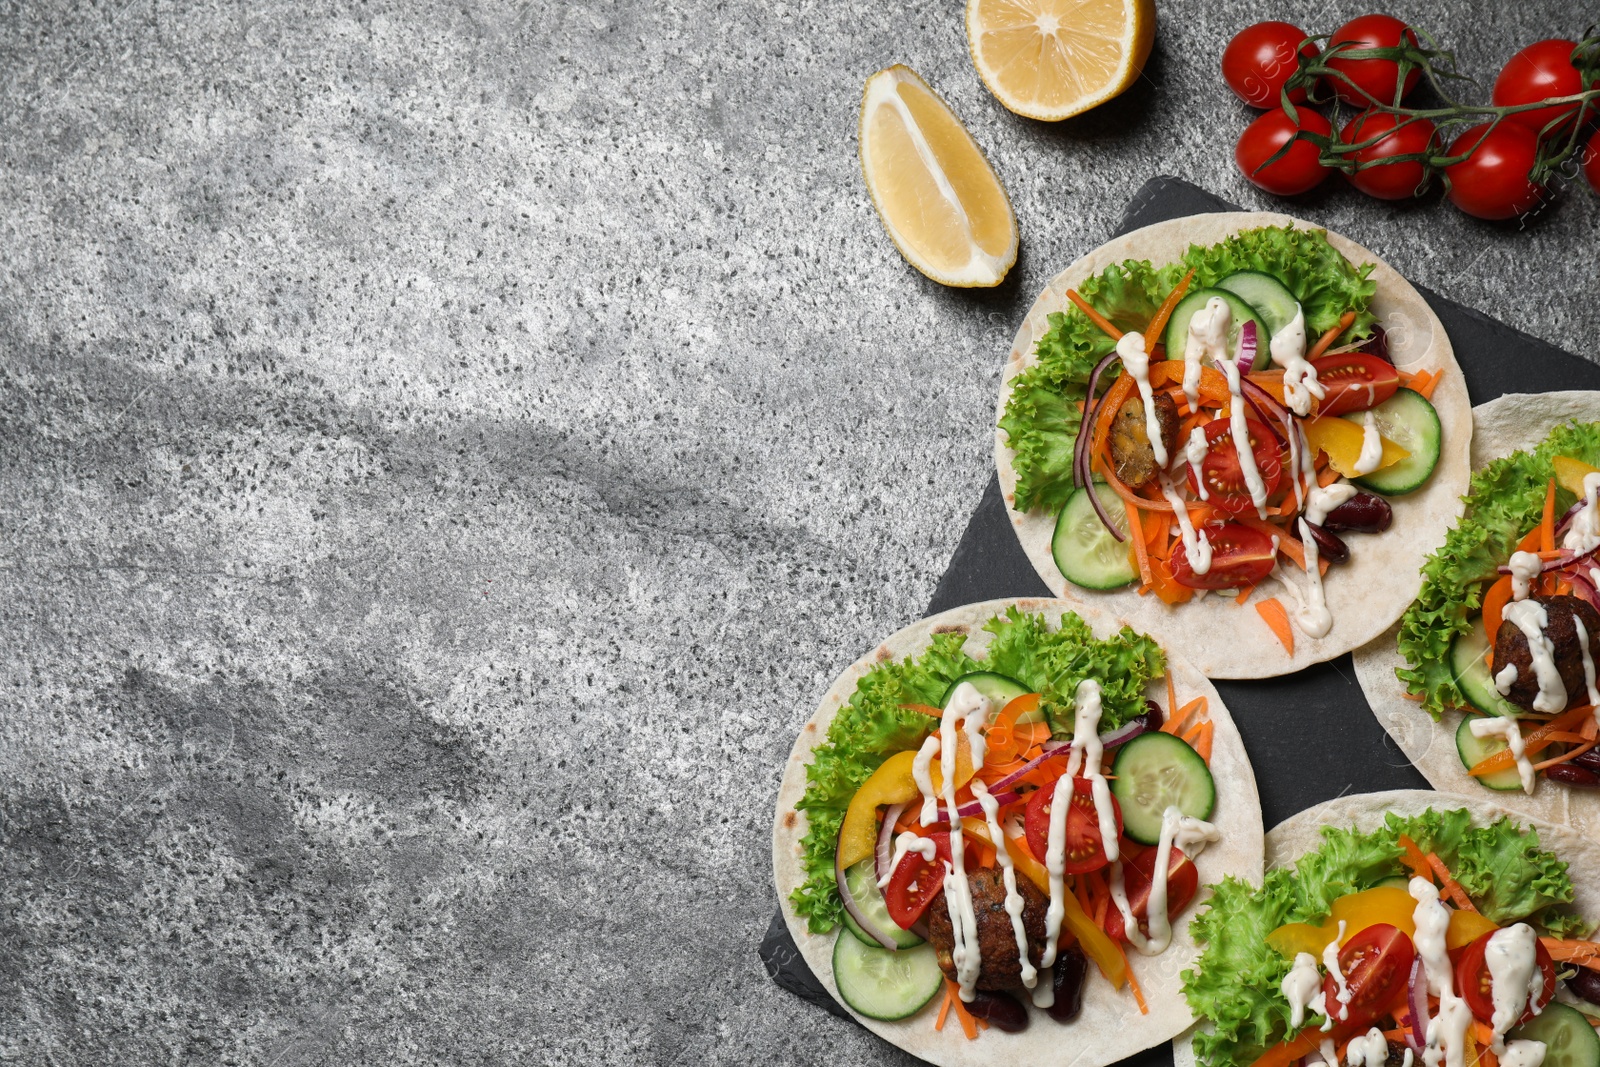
1519 421
1302 833
1110 1028
1366 594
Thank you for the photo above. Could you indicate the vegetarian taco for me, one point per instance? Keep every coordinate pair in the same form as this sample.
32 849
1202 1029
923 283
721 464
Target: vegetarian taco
1488 680
1403 928
1264 403
997 824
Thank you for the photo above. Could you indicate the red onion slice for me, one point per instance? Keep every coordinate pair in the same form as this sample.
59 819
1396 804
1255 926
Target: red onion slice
1561 562
1585 590
854 909
1417 998
972 809
1080 447
1246 360
885 850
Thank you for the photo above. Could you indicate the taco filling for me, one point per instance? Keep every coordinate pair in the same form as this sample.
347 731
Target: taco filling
1427 941
1210 424
1506 625
989 828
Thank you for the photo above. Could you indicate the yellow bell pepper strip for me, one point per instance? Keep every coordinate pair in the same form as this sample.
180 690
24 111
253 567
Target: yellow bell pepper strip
1570 474
891 783
1097 945
964 767
1385 904
1466 927
1341 439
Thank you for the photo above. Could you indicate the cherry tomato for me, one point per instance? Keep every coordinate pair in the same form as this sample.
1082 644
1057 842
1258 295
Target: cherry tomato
1183 880
1085 851
1376 964
1389 181
1476 985
1591 162
1298 170
1240 556
1355 382
1226 489
1376 78
1261 58
1540 71
1492 183
915 881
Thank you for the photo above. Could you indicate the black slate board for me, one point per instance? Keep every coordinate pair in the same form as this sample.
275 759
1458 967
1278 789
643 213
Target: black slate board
1324 703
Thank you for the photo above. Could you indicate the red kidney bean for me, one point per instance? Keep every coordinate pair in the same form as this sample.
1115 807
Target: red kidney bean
1362 513
999 1010
1071 968
1329 547
1566 772
1589 761
1585 984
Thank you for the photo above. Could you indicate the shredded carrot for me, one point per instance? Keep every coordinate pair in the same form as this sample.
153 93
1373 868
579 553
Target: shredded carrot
1094 316
1200 739
1180 718
1433 382
1081 888
1141 552
1102 898
1327 476
1413 858
1451 886
1590 729
1172 692
1494 605
1570 754
1158 324
1133 983
1533 743
1547 524
1277 619
1244 594
963 1016
944 1008
1579 953
1327 339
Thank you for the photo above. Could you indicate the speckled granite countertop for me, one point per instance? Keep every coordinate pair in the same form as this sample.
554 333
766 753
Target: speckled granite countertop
447 451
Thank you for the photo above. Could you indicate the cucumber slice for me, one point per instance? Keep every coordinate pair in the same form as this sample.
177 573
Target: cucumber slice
1409 421
884 984
998 688
1177 335
1467 653
1569 1040
1085 552
1156 771
1271 298
862 881
1474 750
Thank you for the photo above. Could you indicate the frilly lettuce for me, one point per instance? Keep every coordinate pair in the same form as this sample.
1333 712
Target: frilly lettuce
872 726
1504 501
1041 419
1235 986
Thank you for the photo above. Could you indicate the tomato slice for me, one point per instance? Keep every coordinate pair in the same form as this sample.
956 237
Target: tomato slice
1476 985
915 881
1224 475
1240 556
1355 382
1085 851
1376 964
1138 875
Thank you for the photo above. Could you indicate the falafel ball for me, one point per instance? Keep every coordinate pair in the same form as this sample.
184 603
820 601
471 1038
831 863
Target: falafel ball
1001 967
1511 646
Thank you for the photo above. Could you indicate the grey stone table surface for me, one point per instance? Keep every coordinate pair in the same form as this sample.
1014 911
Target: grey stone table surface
448 448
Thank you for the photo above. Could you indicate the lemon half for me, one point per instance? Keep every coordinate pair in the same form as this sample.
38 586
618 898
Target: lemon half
1052 59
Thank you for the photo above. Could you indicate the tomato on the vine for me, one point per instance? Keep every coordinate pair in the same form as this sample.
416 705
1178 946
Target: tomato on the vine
1476 984
1377 78
1138 876
1299 170
1389 181
1375 964
1240 556
1085 848
1493 182
1261 58
1540 71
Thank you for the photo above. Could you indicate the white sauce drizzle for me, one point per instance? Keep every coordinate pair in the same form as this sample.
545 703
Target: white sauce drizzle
922 774
1523 1054
1312 615
1369 1050
1195 546
1516 982
1194 835
1588 661
1583 533
1323 499
1195 451
1130 347
1446 1033
1208 338
1087 754
1239 428
1371 446
904 844
1530 617
1330 960
1302 988
1505 678
1524 568
1008 872
1495 725
966 704
1288 349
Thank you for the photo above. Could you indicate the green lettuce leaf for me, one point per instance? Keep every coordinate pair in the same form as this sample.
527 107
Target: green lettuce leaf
1504 501
1041 420
872 726
1236 984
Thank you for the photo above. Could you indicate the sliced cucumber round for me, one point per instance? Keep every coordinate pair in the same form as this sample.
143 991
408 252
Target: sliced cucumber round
1177 335
862 881
1271 299
1154 772
885 984
1467 663
1085 552
1473 750
1569 1039
999 689
1409 421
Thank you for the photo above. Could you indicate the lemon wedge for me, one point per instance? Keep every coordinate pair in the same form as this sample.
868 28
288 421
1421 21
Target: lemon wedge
936 194
1052 59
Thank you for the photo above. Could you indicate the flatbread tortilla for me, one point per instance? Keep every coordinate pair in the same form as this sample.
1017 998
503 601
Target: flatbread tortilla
1110 1028
1302 833
1366 594
1519 421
